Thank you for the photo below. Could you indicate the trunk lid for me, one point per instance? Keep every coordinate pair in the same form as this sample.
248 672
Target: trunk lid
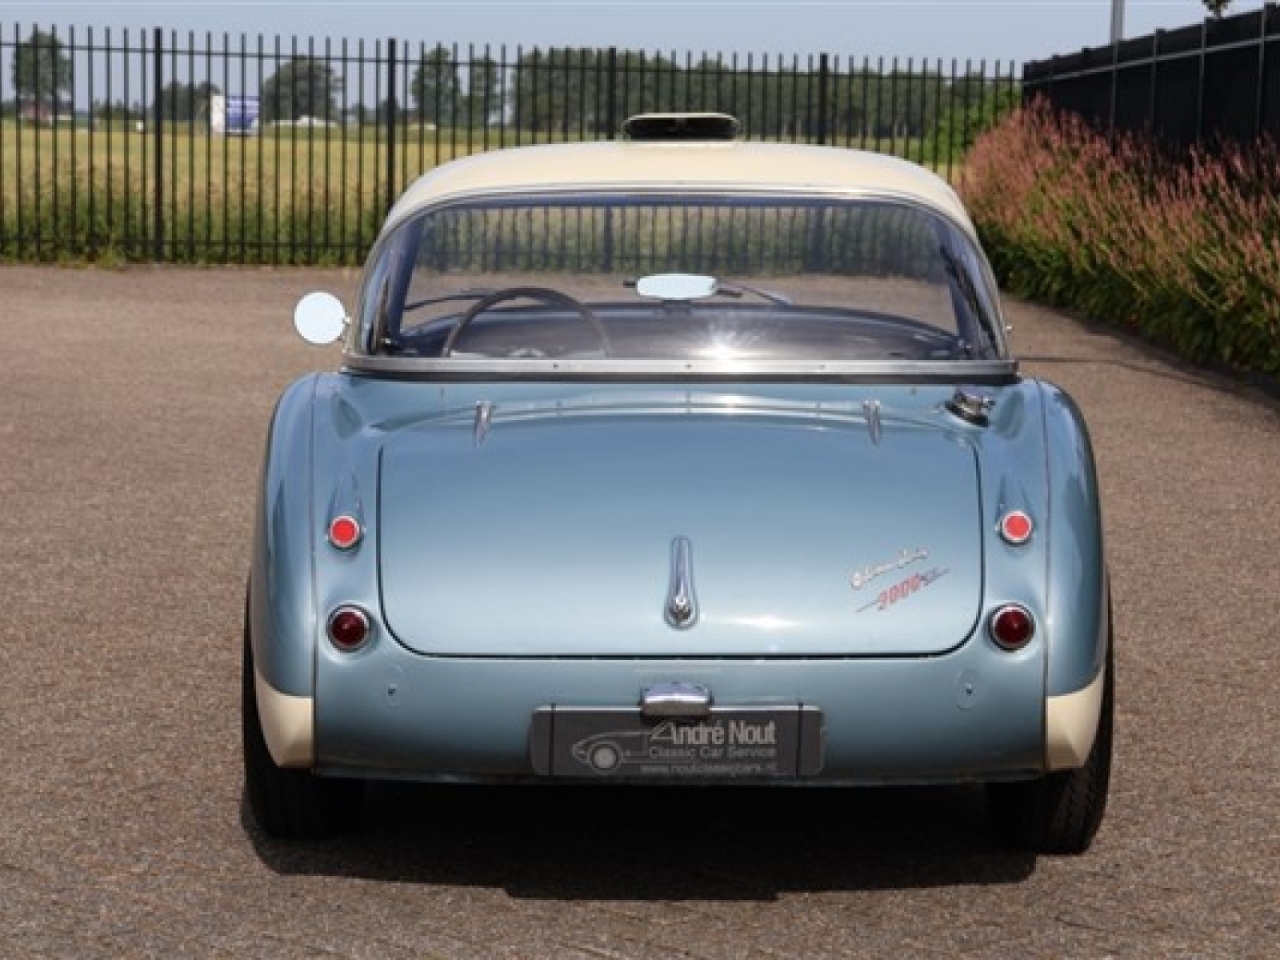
575 534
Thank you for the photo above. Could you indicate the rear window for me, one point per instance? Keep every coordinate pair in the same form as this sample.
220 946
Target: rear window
752 279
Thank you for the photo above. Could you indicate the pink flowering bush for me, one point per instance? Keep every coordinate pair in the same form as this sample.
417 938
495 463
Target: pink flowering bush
1186 253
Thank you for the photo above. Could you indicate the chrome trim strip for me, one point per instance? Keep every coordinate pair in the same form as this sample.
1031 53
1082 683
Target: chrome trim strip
682 605
667 400
462 368
484 418
871 408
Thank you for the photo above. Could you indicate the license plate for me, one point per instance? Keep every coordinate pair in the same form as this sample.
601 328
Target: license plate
730 744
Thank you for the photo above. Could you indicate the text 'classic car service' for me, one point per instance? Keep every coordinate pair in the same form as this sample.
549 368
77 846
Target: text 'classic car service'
677 459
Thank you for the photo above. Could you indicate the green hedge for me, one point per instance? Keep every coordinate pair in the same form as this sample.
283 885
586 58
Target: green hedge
1186 253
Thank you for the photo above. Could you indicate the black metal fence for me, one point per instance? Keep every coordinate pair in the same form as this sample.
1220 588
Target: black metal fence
147 145
1209 83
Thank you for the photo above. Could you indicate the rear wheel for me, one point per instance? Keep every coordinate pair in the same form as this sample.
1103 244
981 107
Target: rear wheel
1061 811
289 803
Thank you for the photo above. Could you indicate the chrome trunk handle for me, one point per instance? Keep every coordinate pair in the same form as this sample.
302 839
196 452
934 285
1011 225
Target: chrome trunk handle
686 700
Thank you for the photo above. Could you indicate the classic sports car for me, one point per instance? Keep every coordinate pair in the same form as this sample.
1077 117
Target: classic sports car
673 460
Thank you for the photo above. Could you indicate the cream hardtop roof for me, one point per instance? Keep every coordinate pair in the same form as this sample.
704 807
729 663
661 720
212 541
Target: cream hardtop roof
737 166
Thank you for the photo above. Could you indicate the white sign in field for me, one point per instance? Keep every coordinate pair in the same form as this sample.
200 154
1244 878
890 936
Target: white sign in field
233 115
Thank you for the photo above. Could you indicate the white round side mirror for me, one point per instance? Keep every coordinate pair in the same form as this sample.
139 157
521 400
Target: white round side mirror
320 318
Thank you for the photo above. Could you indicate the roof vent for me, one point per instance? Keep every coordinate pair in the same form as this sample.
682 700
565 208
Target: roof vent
682 126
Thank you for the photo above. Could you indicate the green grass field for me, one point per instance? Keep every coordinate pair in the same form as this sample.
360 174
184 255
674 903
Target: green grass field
287 196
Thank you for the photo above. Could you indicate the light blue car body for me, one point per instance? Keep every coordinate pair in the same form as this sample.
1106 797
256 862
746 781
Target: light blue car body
841 536
944 704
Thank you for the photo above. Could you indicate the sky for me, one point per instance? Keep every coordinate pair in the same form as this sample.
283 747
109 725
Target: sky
993 30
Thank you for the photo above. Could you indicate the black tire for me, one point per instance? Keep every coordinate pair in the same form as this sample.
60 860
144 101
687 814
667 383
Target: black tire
288 803
1060 812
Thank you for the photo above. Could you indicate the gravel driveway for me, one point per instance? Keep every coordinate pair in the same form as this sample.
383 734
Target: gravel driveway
135 408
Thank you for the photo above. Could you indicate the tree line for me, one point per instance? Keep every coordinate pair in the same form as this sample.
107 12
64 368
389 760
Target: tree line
572 92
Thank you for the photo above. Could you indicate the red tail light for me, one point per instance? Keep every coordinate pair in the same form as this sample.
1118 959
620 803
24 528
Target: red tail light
349 628
1012 627
1016 527
344 531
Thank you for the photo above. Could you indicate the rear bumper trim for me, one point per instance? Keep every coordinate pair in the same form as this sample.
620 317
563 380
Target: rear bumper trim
288 724
1071 724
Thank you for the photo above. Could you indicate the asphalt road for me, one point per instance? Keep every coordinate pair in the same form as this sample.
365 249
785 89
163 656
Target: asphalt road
134 409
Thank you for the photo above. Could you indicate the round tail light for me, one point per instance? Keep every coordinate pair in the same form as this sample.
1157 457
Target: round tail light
1016 527
1012 627
349 628
344 532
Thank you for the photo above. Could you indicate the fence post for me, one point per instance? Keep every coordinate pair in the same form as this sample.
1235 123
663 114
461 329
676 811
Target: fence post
1260 105
157 122
1115 82
1204 44
824 75
391 124
1153 101
611 102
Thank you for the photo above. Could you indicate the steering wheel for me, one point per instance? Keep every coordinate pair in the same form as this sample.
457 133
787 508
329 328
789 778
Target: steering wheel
545 294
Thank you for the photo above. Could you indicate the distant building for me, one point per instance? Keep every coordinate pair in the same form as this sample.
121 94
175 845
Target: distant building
37 114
